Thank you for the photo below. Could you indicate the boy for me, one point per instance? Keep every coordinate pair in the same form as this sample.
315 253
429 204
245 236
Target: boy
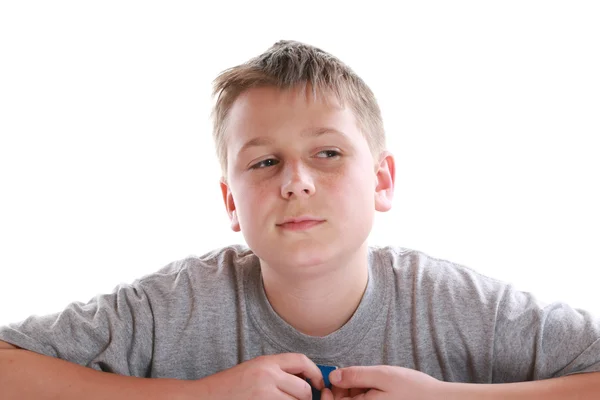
302 150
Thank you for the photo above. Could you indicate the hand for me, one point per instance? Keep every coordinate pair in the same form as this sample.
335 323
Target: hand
278 376
382 382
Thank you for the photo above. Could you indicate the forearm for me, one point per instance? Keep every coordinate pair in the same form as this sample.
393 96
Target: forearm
579 386
27 375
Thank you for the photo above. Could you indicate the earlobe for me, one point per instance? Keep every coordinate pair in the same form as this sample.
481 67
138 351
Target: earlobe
235 224
230 206
385 177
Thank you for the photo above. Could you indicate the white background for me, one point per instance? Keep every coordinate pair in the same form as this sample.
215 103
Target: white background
107 166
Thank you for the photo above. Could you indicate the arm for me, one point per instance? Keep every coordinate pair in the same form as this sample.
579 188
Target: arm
28 375
391 382
110 333
578 386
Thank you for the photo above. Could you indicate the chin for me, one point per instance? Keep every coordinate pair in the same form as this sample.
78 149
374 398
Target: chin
300 254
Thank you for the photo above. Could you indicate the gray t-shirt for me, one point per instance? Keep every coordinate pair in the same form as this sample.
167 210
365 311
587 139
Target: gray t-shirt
201 315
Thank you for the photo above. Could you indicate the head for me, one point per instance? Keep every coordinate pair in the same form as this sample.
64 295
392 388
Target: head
299 134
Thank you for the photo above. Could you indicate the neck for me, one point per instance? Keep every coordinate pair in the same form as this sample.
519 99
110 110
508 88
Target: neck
318 306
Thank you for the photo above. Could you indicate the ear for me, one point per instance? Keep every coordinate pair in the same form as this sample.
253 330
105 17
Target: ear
229 205
385 176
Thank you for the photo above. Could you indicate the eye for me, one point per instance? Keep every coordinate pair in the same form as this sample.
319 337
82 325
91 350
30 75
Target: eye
331 153
264 163
269 162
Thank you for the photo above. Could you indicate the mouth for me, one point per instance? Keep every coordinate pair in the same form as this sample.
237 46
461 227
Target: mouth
300 224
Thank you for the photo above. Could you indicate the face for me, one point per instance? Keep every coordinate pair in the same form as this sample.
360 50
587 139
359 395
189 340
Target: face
290 157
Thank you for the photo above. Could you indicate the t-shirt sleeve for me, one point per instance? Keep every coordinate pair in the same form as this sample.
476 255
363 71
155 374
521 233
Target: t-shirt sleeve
535 341
111 333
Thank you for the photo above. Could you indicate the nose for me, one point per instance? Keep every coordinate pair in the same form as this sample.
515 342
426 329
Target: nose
297 182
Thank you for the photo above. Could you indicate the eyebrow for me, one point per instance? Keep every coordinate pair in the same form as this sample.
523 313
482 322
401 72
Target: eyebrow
264 141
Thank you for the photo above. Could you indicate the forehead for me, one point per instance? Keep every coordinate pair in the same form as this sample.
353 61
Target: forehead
273 113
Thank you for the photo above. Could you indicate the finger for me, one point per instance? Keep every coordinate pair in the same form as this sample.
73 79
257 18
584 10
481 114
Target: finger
376 377
326 394
296 387
360 396
370 395
339 392
356 391
295 363
288 397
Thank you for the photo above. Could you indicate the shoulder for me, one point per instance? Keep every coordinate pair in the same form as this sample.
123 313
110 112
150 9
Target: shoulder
426 271
218 266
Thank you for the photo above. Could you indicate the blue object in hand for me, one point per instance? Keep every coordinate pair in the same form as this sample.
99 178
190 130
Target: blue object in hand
325 371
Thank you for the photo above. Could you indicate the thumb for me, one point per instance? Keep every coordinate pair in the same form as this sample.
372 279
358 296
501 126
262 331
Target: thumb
355 377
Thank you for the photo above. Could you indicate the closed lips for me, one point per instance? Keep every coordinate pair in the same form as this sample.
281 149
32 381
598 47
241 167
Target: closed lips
300 219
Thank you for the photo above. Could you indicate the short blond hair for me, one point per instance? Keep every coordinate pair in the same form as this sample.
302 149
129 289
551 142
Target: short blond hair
289 64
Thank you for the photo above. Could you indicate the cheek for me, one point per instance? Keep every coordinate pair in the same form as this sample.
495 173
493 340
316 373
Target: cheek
358 181
253 200
348 192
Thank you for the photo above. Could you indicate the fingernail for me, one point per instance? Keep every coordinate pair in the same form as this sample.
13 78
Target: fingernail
335 376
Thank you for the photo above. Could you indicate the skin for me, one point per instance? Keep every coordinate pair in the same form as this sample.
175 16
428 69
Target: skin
298 174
